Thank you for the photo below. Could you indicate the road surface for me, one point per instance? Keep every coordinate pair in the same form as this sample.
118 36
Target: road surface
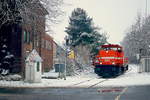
101 93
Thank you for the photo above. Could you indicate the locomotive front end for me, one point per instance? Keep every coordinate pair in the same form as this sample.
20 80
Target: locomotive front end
110 61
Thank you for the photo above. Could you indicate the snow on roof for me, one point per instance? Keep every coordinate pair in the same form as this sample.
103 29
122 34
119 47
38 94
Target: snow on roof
34 56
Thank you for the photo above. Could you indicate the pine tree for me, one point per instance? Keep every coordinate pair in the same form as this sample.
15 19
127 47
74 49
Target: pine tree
83 37
99 39
80 28
81 31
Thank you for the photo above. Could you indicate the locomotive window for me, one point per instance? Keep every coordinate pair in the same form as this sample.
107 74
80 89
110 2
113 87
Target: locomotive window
103 48
111 48
106 48
114 49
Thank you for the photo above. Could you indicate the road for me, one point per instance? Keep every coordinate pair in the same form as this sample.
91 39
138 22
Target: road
101 93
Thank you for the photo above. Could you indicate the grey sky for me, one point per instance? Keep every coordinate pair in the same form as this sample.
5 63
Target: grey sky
113 16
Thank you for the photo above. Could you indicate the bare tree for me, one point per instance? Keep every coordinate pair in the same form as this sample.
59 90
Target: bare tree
137 39
12 11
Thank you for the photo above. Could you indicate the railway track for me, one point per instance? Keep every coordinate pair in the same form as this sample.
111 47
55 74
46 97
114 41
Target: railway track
82 82
78 83
93 85
88 83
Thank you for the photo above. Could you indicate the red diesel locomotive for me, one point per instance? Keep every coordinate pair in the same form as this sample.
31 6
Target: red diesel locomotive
110 61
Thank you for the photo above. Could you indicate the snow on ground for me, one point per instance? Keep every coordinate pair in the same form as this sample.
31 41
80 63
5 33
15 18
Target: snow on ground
87 78
135 80
51 74
131 78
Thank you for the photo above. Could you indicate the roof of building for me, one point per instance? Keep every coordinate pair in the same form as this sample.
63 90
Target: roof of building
34 57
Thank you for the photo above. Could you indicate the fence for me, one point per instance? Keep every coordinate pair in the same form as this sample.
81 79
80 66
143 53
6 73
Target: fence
145 64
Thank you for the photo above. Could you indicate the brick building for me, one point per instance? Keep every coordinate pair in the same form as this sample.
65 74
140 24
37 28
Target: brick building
47 52
28 36
34 37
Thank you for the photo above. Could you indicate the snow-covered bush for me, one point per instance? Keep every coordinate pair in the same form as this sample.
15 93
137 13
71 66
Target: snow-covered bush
70 67
7 59
14 77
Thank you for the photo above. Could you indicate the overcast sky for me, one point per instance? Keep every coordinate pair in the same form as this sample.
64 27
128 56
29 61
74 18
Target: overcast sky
113 16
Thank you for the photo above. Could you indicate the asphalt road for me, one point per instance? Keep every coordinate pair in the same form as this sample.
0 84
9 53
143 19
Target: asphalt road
101 93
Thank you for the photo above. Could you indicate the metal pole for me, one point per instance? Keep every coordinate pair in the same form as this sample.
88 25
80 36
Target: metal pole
65 62
59 69
67 40
59 66
146 9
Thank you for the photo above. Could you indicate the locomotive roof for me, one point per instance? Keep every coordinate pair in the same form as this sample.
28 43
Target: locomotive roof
111 45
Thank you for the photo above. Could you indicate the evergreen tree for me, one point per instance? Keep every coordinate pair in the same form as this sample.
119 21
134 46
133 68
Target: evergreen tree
80 28
99 39
82 31
83 37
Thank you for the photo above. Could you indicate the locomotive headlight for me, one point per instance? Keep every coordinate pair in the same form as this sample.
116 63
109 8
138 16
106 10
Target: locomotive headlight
113 63
96 61
101 63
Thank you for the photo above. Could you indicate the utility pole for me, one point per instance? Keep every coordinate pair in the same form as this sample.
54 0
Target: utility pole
66 48
146 8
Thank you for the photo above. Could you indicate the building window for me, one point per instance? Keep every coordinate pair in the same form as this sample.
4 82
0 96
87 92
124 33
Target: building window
48 45
43 43
38 66
26 37
37 43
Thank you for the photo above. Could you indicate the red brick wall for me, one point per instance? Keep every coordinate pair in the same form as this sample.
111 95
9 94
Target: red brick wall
47 52
34 24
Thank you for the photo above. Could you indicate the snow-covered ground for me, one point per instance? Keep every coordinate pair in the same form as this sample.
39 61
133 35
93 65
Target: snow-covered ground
131 78
86 79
